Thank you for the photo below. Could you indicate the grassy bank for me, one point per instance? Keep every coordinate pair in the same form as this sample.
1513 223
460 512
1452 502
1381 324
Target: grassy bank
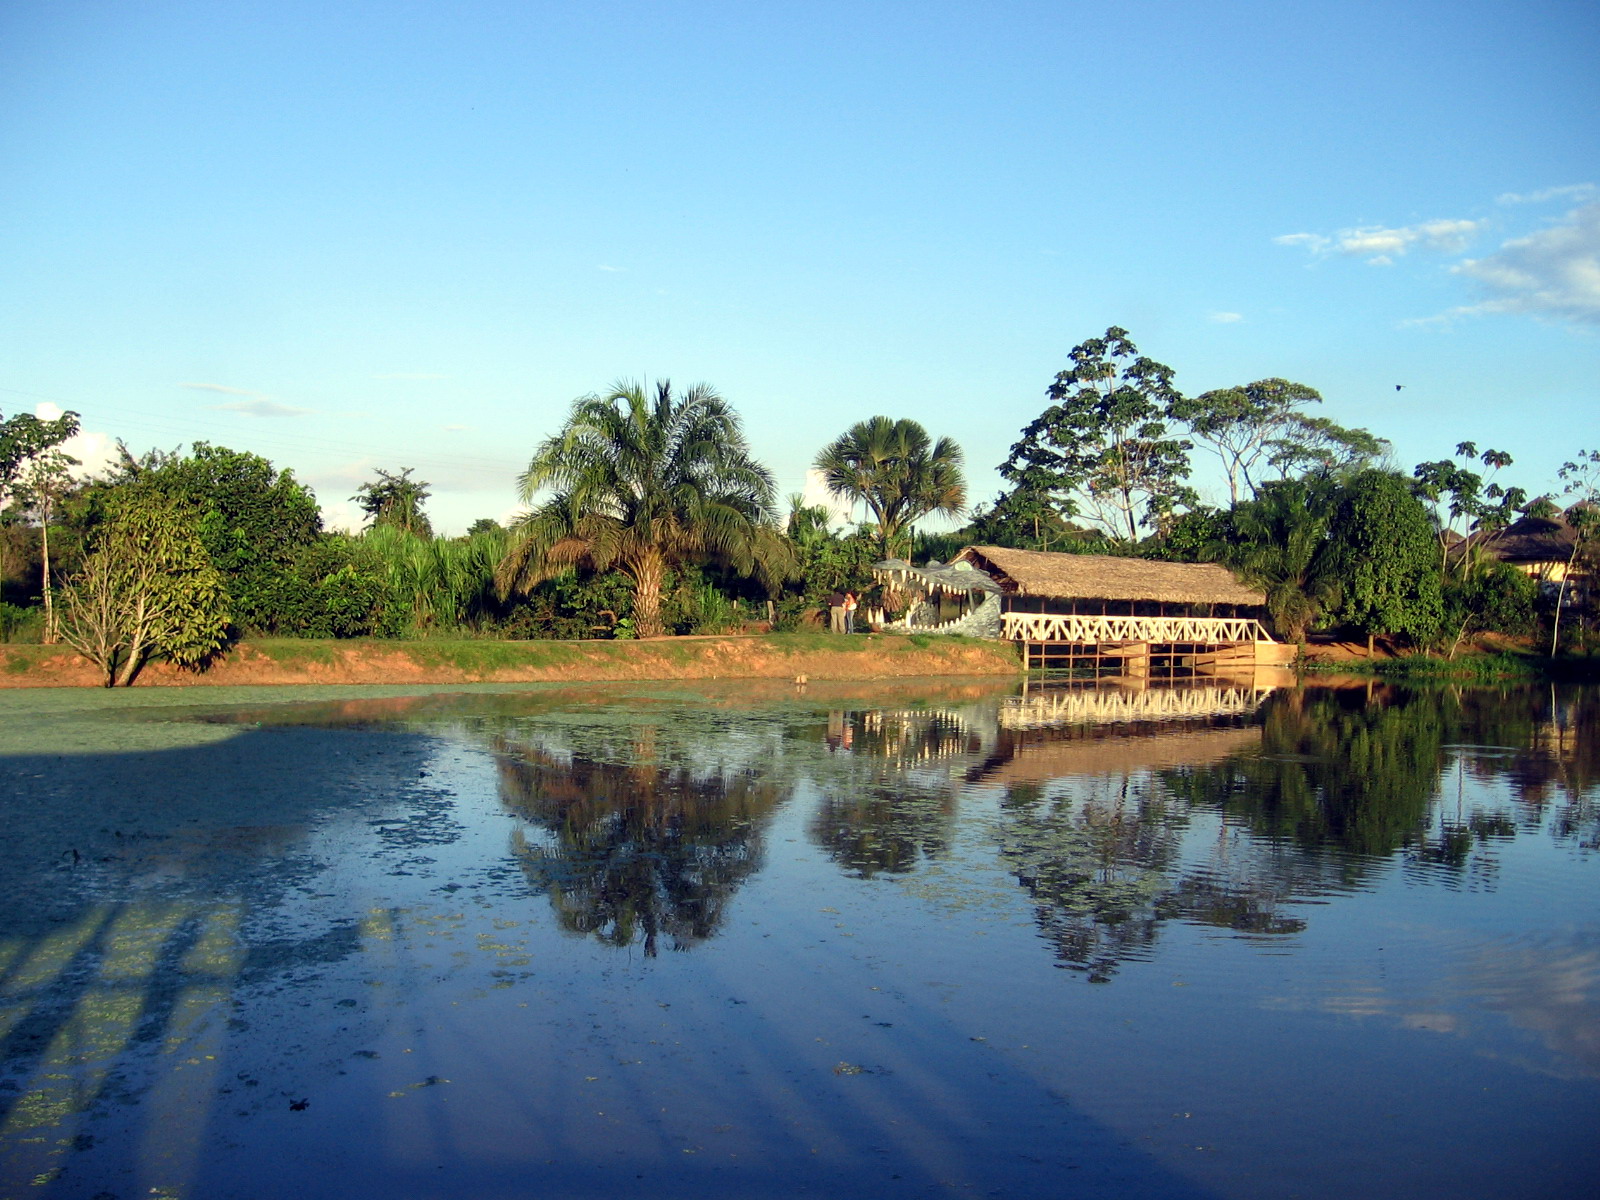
1494 667
767 656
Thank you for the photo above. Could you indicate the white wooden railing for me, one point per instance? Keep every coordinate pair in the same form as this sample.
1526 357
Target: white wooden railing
1100 631
1101 705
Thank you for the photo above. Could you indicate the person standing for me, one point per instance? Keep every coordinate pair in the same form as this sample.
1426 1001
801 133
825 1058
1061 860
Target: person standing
836 612
850 605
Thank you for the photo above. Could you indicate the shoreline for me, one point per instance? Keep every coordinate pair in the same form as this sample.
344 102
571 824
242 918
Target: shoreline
294 661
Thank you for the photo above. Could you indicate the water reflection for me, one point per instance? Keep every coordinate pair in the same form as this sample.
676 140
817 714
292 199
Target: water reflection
634 851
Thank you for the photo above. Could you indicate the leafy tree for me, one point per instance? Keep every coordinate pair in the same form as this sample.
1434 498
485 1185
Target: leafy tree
643 483
1260 427
147 587
23 439
1581 478
1456 492
897 471
255 522
44 479
25 436
1279 543
395 500
1028 517
1318 446
1494 598
1101 449
1384 556
1242 424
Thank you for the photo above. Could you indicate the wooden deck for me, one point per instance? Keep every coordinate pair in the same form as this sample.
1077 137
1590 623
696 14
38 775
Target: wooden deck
1138 647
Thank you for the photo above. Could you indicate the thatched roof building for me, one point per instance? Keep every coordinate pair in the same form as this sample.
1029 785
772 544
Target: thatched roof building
1532 541
1050 576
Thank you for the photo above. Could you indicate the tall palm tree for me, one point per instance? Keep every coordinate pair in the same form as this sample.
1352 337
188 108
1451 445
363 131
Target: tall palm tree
643 483
897 471
1280 544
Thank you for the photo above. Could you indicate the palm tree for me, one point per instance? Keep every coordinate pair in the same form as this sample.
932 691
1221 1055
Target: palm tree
894 468
643 483
1279 544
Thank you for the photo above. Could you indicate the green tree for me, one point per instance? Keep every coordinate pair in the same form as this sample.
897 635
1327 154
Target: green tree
1457 493
1318 446
1241 424
642 483
1279 543
1101 449
44 479
255 521
898 472
23 438
147 588
1581 478
1384 555
395 500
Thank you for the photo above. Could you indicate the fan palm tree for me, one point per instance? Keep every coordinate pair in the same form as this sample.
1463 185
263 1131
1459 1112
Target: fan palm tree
897 471
643 483
1280 545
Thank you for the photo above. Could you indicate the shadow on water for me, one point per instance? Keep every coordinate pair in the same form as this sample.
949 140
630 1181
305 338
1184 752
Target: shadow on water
329 914
217 958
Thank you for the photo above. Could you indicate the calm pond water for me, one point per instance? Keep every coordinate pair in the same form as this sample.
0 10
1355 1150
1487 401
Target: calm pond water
934 940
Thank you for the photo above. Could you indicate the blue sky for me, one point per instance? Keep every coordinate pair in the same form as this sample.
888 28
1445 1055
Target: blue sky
409 234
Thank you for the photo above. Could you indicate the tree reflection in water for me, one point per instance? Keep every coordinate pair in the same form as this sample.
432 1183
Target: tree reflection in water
886 804
636 850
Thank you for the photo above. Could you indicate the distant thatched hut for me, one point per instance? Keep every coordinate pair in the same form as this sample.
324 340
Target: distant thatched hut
1099 585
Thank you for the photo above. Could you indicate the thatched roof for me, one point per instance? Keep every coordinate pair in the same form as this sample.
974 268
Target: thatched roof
1532 540
1102 577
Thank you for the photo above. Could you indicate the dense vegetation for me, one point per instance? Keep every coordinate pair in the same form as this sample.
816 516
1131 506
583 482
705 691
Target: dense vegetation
648 514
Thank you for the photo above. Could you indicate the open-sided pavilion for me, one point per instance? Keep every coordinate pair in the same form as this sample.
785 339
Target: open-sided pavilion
1081 610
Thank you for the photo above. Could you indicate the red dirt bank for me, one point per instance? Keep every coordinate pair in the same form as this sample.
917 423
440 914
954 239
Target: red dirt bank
377 662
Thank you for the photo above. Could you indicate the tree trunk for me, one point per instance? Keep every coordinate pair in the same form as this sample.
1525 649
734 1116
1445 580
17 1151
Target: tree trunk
649 573
49 638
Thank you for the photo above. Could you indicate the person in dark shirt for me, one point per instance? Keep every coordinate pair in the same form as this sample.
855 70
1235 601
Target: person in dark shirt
836 612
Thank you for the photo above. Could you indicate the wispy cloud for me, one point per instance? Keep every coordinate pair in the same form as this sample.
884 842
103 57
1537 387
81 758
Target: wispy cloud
1554 273
1226 318
222 389
1570 192
411 375
1380 245
262 408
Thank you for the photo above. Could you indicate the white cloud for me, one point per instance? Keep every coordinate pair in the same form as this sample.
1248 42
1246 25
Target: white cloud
1380 245
1226 318
1554 273
261 408
95 452
1572 191
816 494
1314 242
222 388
